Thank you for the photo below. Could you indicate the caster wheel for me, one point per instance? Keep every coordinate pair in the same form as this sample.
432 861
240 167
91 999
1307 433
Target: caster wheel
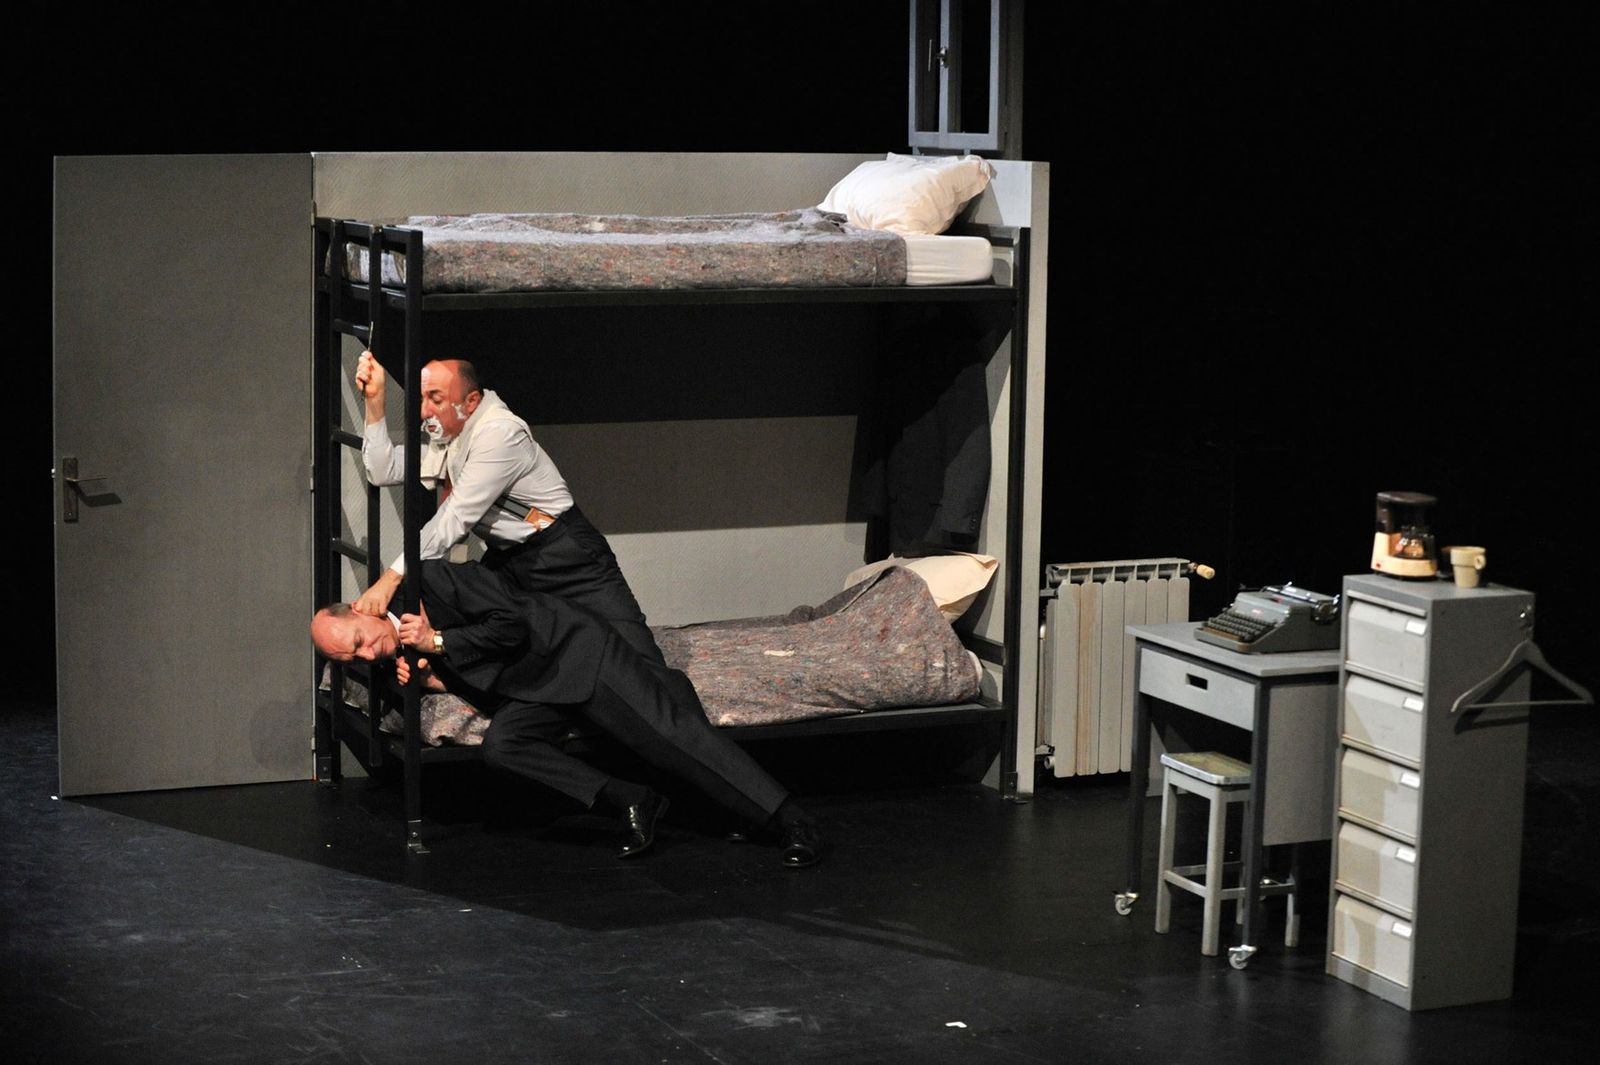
1124 902
1239 957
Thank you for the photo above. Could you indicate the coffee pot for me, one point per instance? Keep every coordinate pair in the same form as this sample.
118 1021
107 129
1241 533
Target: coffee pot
1402 545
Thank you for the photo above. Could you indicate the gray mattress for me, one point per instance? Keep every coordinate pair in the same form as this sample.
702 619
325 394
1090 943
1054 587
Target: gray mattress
804 248
877 645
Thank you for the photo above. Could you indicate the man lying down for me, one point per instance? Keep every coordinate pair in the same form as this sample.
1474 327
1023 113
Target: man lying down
534 663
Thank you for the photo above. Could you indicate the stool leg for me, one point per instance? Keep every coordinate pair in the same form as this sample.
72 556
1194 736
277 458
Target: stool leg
1169 834
1291 925
1215 833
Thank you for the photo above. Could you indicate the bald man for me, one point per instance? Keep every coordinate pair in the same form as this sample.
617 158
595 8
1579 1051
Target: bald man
535 663
494 479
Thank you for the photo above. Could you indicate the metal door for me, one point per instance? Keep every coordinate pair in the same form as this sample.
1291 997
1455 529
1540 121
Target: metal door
182 397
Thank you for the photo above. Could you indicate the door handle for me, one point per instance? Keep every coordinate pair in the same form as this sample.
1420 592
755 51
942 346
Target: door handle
93 491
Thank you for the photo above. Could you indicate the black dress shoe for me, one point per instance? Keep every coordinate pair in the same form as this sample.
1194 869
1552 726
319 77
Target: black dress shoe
802 845
640 821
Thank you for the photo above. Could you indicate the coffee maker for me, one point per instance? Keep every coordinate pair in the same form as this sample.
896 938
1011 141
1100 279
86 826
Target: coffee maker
1403 545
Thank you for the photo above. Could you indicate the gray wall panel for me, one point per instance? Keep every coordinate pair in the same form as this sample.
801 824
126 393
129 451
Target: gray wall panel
392 184
182 375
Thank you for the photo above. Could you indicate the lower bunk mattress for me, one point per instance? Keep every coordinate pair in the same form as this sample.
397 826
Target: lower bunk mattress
804 248
877 645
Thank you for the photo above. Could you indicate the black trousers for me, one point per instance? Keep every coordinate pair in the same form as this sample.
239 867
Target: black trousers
653 711
571 559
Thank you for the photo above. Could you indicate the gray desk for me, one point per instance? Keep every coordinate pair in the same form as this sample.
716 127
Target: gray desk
1287 701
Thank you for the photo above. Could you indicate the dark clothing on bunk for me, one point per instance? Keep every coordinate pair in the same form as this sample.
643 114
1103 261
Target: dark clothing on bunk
571 559
535 663
937 469
923 444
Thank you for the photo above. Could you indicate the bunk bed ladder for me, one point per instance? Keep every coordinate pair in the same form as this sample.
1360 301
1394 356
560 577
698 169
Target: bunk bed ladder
332 322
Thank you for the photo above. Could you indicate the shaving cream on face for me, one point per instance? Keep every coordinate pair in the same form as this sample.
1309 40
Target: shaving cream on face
434 430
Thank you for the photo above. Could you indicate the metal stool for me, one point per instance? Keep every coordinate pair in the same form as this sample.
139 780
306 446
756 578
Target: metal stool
1223 781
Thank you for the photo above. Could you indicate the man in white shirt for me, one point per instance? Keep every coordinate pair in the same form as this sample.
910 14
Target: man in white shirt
494 479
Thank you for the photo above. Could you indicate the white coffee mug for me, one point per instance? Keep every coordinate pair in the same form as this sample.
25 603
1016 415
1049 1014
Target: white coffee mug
1468 563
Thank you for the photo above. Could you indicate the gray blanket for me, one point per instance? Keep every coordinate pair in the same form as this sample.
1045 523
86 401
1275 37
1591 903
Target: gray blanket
803 248
879 644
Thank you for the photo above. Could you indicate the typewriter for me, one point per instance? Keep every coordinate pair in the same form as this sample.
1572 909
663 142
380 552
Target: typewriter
1275 618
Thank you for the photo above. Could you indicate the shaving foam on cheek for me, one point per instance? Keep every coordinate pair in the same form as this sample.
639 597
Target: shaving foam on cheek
432 427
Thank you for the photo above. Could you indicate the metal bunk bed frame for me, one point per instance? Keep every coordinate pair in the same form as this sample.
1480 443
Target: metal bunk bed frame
340 307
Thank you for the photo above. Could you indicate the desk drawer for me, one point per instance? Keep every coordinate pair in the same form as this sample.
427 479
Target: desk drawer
1382 717
1196 687
1378 942
1384 795
1386 641
1377 867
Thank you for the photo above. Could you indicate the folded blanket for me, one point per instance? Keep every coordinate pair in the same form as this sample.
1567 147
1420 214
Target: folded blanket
879 644
528 252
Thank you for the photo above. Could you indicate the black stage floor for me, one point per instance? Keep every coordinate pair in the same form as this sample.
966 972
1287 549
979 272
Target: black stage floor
281 922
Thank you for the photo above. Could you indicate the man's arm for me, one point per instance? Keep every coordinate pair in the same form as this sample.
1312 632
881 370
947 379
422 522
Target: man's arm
385 464
481 619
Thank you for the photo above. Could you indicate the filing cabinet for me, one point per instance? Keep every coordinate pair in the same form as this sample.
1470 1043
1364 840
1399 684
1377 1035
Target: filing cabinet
1428 802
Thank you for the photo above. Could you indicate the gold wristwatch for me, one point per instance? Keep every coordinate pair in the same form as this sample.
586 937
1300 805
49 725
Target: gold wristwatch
438 642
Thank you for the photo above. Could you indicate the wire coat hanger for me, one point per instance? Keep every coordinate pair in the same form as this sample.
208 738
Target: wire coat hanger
1526 653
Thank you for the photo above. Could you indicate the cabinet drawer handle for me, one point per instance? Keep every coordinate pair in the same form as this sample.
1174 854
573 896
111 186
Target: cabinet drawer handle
1197 682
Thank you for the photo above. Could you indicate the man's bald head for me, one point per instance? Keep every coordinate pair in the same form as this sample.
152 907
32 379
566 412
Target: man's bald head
344 635
450 393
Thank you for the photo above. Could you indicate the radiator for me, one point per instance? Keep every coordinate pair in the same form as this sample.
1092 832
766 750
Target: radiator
1086 659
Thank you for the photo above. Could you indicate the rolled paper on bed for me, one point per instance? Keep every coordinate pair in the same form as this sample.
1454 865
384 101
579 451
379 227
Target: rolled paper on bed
954 580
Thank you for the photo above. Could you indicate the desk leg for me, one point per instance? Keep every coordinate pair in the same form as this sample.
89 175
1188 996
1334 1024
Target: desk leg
1254 832
1138 782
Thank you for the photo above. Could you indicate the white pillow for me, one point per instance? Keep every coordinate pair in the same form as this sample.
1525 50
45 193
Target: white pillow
954 580
907 193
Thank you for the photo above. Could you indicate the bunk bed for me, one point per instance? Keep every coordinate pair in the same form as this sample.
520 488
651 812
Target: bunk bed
390 311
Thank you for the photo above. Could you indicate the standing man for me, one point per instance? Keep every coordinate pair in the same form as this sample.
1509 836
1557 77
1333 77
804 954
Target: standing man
494 479
533 663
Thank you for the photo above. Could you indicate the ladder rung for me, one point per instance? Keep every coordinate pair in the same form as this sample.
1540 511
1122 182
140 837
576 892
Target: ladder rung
360 332
349 550
348 439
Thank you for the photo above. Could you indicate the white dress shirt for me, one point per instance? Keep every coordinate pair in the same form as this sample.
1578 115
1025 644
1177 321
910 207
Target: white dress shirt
501 475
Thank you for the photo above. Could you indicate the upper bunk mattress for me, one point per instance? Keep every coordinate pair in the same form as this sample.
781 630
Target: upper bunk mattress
804 248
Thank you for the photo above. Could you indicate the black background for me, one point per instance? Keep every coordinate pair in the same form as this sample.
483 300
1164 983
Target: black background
1295 258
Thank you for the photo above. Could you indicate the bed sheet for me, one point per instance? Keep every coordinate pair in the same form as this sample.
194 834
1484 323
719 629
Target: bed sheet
947 260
